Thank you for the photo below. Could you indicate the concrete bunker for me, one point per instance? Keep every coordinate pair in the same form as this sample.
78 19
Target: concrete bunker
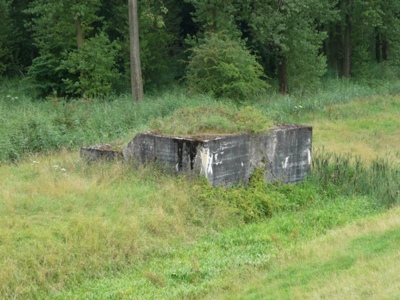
224 159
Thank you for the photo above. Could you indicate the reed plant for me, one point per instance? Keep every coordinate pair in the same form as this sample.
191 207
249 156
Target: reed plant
349 175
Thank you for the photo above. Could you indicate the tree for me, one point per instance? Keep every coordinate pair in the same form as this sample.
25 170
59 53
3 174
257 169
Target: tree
347 40
64 65
136 70
5 38
288 33
220 62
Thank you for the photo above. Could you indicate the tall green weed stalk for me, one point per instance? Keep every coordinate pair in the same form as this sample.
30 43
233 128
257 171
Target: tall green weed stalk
349 175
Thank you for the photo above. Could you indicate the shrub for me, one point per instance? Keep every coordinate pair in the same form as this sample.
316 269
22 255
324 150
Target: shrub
224 67
92 69
250 203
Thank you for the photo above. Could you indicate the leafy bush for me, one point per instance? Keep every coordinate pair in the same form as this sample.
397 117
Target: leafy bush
224 67
92 69
252 203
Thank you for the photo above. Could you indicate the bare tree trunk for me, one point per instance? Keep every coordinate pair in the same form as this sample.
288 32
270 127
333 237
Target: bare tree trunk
378 46
347 42
385 47
136 70
79 33
282 76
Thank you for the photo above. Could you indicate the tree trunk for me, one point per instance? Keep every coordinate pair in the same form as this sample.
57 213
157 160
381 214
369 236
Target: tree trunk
282 76
332 49
79 33
347 42
384 47
378 46
339 50
136 70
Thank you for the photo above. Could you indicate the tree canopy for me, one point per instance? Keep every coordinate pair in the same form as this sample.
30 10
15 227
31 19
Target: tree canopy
230 48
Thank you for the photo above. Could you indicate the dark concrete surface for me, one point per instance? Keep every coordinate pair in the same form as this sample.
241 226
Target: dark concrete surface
284 153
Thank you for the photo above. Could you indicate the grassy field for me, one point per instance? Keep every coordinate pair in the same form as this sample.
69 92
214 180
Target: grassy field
69 230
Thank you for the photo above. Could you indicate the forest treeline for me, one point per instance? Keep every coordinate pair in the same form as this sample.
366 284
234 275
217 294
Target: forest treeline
230 48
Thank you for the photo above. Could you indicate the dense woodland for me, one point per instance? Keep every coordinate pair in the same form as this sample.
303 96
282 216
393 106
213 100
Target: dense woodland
228 48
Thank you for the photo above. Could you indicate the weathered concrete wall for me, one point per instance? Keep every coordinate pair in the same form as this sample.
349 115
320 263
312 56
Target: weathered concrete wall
103 152
284 153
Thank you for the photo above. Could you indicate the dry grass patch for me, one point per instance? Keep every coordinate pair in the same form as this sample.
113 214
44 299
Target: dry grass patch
369 128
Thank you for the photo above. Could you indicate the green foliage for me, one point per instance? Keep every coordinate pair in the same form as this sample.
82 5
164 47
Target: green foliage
208 120
5 38
215 15
346 175
306 65
61 68
288 29
157 41
224 67
252 203
92 69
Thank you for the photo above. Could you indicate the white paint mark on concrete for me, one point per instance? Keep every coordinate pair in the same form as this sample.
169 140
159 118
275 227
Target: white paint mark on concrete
285 163
309 156
209 164
216 159
242 164
206 161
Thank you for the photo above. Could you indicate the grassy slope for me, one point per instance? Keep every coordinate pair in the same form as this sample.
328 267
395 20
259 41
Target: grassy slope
369 128
69 230
359 261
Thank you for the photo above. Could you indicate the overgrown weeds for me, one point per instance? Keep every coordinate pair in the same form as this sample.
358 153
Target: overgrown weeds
350 175
218 119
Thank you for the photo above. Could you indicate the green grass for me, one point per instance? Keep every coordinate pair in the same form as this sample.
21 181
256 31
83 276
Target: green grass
213 263
39 126
218 120
358 261
71 230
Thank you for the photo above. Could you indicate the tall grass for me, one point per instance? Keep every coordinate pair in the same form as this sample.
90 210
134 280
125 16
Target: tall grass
350 175
65 223
32 126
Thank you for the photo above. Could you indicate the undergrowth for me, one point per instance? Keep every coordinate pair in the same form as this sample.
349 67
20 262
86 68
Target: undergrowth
352 176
